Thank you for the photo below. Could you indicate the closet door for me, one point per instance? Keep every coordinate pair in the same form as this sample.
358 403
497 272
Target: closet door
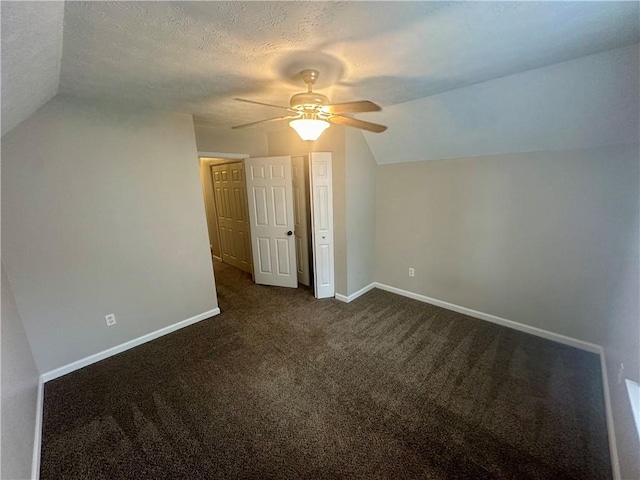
322 224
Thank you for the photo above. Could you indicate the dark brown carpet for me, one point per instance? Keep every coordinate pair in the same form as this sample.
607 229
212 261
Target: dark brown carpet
283 386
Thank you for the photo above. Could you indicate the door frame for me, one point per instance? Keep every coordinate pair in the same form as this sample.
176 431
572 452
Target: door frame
234 157
210 166
227 156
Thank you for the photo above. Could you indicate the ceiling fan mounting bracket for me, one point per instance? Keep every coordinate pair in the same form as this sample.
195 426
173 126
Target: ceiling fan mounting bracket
309 76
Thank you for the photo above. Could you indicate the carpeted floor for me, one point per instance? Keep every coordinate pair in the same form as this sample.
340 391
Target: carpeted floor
283 386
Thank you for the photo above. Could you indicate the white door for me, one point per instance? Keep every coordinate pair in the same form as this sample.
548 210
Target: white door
301 214
270 192
322 224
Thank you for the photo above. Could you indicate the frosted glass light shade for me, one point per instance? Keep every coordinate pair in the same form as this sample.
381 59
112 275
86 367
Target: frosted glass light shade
309 129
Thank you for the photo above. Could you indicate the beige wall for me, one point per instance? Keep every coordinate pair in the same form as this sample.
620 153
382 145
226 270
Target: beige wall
102 212
225 140
19 391
547 239
360 183
287 142
538 238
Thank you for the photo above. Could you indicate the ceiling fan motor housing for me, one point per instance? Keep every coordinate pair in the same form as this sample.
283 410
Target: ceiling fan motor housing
308 101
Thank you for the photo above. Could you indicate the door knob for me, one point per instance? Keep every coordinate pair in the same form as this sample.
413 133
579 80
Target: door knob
289 233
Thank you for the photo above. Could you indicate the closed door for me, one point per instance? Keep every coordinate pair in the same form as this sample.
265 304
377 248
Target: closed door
270 193
233 218
322 224
301 216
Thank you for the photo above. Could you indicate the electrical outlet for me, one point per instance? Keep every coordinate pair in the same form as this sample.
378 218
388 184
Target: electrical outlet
111 319
412 272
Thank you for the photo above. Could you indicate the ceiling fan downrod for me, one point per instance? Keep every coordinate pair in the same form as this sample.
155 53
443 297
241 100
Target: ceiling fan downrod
309 76
309 101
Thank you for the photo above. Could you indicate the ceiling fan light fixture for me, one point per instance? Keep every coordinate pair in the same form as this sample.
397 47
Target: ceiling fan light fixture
312 112
308 128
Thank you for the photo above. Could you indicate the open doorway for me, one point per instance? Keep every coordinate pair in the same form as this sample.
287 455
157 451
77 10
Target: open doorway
225 199
238 206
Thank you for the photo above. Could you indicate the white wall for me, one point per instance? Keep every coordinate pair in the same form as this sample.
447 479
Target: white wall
19 391
225 140
102 212
360 170
586 102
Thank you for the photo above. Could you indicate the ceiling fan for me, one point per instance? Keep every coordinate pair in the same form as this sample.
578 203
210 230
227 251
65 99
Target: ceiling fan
310 113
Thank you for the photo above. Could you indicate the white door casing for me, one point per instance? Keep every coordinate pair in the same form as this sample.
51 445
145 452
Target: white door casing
301 214
270 192
322 223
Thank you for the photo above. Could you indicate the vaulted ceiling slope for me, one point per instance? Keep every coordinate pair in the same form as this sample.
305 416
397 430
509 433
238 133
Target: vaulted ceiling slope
194 57
31 57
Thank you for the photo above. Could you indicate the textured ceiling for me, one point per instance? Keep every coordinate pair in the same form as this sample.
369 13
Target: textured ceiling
195 57
31 55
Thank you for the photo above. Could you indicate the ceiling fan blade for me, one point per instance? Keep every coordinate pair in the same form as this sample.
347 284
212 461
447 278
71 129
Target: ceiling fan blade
354 122
352 107
264 104
265 121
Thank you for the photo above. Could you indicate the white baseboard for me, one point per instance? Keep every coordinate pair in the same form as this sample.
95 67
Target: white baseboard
216 258
353 296
539 332
613 447
37 435
71 367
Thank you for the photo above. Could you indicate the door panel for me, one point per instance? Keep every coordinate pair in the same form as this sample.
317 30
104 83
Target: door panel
264 255
322 224
280 206
270 192
284 266
301 212
260 205
233 218
324 270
